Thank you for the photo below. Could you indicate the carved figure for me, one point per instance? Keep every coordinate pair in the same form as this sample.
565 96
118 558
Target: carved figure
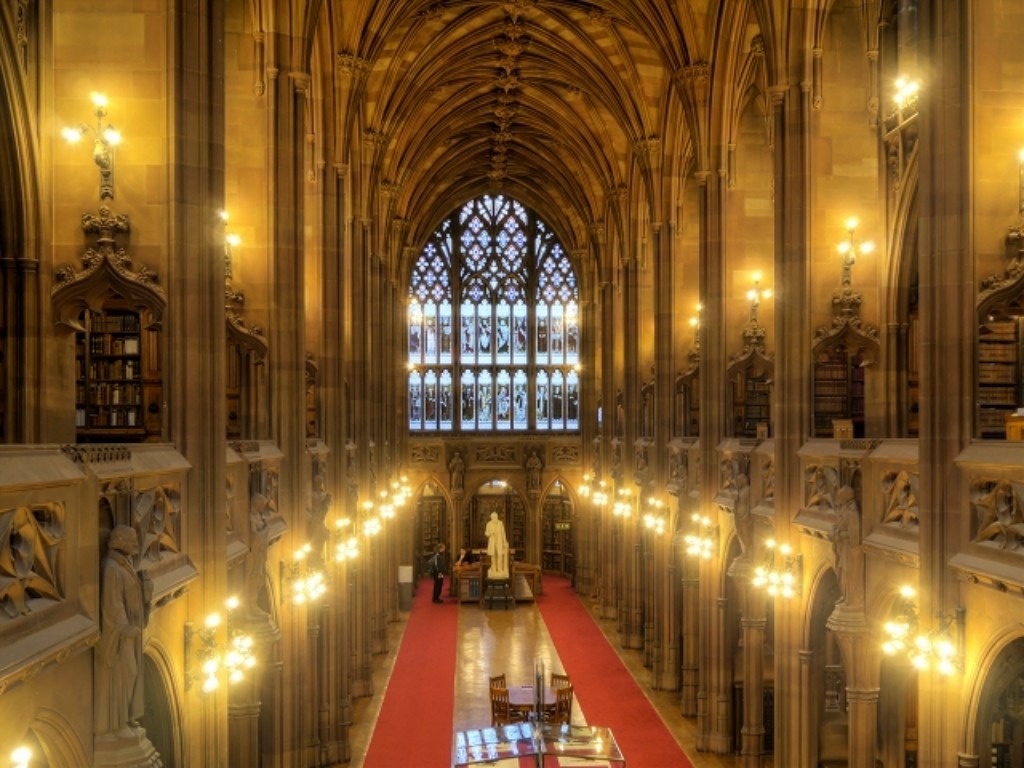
497 548
119 701
533 468
846 547
256 561
744 518
457 468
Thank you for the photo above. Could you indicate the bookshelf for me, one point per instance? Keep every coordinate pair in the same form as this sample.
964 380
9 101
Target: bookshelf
999 374
838 388
687 417
432 530
751 399
117 384
556 537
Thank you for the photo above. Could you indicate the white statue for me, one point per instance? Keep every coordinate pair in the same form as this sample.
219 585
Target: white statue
497 548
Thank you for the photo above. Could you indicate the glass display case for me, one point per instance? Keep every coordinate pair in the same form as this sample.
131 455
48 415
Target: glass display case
545 744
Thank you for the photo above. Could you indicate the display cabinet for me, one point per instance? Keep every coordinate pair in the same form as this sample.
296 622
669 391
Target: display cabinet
117 388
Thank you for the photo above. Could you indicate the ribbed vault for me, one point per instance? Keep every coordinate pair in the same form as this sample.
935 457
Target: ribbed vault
554 102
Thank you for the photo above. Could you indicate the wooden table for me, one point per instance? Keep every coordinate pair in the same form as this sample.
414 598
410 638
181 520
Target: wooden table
521 699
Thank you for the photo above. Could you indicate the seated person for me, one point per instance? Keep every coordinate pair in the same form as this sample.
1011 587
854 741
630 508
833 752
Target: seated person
465 558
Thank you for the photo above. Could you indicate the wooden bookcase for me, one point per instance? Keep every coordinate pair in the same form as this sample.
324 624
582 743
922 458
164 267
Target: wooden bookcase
431 515
751 396
687 416
556 537
117 387
1000 375
838 389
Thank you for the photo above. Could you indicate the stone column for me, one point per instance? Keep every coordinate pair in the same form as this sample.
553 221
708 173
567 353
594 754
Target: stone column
691 634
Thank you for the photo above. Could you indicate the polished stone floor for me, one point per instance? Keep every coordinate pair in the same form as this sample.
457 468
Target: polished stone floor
517 637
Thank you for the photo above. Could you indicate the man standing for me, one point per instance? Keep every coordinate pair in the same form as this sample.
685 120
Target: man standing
437 567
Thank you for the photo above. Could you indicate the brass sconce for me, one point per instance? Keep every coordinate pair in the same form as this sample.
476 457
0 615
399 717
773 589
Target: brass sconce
849 250
781 572
212 657
704 540
654 518
304 582
105 138
936 649
755 295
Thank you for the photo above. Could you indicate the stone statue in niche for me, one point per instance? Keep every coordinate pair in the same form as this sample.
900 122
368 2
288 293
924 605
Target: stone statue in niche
256 561
533 467
497 548
744 517
123 616
320 504
848 551
457 468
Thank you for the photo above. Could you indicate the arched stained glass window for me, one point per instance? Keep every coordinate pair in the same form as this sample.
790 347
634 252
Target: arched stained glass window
493 325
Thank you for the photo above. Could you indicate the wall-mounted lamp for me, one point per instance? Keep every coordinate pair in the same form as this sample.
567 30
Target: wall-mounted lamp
654 518
936 649
304 581
781 572
695 323
21 757
105 138
906 92
213 657
624 506
755 295
597 495
849 250
703 541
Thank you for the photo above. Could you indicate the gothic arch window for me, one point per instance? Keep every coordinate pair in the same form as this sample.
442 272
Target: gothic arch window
493 325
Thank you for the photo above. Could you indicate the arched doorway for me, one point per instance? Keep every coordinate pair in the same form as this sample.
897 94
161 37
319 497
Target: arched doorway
999 730
159 720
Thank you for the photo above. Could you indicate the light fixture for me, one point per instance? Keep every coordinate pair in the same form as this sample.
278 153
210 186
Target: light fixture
936 649
213 658
105 138
21 757
781 572
849 249
597 495
1020 182
704 539
755 295
654 518
304 581
624 506
907 91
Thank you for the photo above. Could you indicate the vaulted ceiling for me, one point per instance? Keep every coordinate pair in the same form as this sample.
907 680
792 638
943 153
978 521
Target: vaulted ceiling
556 102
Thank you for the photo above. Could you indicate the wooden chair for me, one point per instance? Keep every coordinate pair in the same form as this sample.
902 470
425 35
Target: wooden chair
498 681
501 713
563 706
559 681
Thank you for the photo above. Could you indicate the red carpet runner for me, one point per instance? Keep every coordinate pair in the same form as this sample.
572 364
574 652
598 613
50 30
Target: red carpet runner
603 686
418 723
